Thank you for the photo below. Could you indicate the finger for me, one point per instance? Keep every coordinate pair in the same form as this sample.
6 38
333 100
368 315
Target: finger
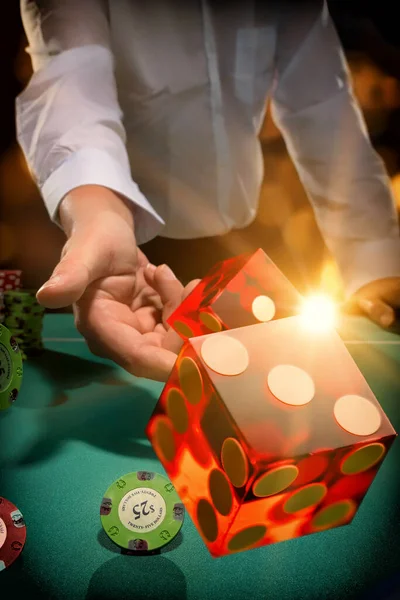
190 287
169 289
173 341
122 344
148 273
174 303
167 285
85 259
114 335
377 310
66 285
148 294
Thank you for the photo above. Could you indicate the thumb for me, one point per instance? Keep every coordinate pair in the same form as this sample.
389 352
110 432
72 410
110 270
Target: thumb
79 267
377 310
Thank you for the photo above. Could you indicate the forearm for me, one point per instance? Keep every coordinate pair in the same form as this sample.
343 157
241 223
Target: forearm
69 123
348 188
344 177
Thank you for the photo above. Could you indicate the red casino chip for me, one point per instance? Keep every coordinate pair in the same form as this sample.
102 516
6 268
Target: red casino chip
12 533
10 280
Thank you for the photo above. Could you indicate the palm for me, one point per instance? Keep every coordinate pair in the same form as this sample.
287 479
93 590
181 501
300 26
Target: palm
125 313
129 299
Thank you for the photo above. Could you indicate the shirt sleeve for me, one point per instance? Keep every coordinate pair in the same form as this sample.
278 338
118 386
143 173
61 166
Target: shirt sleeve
314 107
69 123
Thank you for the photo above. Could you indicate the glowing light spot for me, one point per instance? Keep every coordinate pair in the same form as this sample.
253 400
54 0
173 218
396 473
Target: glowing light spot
318 313
331 282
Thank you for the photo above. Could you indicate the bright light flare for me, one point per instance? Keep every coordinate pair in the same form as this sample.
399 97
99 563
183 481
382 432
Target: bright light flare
318 313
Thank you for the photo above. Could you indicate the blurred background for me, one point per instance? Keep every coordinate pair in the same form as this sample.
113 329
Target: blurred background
29 241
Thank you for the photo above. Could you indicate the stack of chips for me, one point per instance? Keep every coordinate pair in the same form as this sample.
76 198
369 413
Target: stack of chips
9 281
24 318
2 307
21 313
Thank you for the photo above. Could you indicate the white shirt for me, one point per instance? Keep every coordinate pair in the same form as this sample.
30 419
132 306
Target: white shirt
163 101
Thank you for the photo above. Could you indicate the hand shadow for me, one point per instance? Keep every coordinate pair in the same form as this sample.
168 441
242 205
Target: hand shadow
63 372
110 417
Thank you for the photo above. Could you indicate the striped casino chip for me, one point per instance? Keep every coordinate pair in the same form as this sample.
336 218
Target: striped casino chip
10 280
12 533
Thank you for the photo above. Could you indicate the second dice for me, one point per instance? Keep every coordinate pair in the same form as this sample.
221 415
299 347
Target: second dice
268 432
237 292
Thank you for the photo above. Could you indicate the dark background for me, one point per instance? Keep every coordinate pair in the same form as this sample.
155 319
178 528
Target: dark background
369 32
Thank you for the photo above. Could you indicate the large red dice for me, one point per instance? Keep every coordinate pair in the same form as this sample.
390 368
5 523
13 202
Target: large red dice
241 291
268 432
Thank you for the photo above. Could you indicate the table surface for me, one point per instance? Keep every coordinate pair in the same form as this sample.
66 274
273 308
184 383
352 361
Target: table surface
79 425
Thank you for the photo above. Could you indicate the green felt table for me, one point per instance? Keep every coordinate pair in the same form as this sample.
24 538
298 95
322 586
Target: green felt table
78 425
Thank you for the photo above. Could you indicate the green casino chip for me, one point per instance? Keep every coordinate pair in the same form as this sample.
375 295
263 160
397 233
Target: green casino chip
24 322
12 322
22 304
142 512
10 368
25 297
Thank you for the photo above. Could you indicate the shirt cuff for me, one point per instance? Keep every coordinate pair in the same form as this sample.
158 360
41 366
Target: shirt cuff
369 261
96 167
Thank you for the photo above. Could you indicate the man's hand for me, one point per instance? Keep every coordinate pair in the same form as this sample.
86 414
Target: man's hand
120 301
378 300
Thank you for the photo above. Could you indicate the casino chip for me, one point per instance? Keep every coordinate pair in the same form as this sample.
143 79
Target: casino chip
12 533
9 280
10 368
23 316
142 512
